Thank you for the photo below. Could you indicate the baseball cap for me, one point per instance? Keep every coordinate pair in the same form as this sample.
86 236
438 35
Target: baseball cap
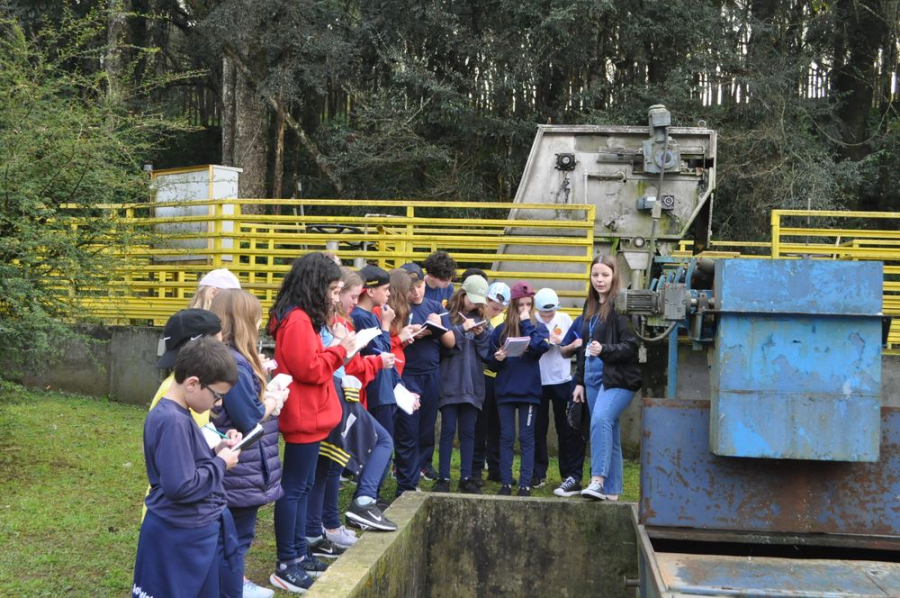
415 271
476 288
186 325
221 278
374 277
546 300
499 292
521 289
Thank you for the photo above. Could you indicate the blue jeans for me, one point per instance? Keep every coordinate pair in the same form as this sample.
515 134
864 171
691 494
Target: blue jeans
466 415
297 479
527 416
384 415
373 472
606 406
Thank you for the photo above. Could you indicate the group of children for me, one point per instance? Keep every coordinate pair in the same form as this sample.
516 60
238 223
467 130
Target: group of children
351 405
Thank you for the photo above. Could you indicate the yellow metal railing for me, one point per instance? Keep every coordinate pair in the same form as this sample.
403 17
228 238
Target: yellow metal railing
794 234
161 269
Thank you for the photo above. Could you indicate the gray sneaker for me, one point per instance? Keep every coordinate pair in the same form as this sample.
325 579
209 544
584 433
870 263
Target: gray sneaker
370 517
594 491
341 537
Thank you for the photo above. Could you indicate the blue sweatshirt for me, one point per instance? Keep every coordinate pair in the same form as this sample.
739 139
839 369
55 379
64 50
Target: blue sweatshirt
185 476
379 391
440 296
519 378
423 356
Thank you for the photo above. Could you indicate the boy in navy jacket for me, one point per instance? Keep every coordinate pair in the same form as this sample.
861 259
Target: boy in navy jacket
188 535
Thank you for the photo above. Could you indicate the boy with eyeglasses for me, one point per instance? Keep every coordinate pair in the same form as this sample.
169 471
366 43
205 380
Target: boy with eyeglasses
188 535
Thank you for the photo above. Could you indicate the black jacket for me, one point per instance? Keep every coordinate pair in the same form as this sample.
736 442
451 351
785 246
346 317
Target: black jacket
619 354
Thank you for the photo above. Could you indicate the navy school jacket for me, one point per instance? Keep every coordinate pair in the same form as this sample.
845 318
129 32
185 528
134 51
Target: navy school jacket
519 378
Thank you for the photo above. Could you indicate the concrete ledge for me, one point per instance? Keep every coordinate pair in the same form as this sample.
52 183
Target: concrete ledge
451 545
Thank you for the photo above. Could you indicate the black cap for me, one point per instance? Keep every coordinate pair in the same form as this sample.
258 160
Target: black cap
374 277
185 326
415 271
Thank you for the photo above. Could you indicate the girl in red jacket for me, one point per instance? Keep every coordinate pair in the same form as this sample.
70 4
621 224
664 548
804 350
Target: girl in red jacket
312 409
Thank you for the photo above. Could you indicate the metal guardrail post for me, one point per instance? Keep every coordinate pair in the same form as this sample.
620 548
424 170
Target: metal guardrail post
776 233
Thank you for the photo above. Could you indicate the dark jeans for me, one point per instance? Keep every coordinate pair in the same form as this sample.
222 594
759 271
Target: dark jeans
487 432
323 500
406 450
465 414
297 480
527 416
245 526
428 386
571 444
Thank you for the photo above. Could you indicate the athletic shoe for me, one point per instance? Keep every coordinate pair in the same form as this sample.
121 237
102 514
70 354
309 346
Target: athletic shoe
505 490
324 548
291 577
538 482
313 567
251 590
370 516
478 480
383 503
524 491
429 473
341 537
594 491
469 486
441 486
569 487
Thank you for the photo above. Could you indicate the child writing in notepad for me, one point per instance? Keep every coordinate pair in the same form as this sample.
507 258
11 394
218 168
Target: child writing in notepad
518 385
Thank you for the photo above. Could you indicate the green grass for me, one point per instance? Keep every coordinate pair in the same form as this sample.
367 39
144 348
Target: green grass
72 483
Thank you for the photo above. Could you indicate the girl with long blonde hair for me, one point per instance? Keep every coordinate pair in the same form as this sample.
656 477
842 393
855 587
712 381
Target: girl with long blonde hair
256 480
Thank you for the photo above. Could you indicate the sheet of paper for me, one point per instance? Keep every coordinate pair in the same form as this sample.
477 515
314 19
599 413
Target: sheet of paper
365 336
405 399
515 345
279 382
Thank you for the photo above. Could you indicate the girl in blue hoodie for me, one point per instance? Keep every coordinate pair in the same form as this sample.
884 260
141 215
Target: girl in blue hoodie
518 385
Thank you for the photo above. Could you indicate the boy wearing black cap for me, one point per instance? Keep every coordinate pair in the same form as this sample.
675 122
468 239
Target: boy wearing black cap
379 392
183 327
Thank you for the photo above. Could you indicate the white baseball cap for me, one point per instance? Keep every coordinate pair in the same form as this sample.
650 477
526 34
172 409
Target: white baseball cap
221 278
546 300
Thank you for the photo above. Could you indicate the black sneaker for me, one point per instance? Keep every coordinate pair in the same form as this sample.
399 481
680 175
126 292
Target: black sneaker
538 482
569 487
505 490
326 549
383 503
469 486
291 577
477 480
369 517
524 491
429 473
441 486
313 567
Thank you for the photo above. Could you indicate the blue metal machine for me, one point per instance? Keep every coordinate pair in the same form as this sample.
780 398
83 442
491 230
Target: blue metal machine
786 482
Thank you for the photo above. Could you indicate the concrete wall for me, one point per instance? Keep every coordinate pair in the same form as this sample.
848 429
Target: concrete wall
118 362
491 546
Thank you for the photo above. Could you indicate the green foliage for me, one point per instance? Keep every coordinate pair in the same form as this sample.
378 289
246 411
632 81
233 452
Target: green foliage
66 150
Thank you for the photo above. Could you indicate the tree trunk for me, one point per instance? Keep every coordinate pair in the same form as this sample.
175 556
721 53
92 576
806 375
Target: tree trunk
251 139
115 52
229 72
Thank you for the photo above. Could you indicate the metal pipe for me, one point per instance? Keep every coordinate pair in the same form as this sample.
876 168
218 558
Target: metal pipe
672 373
654 339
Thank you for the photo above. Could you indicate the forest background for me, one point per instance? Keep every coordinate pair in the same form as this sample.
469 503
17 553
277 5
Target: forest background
438 99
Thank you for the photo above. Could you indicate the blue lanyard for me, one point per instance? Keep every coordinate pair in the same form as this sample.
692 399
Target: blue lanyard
591 325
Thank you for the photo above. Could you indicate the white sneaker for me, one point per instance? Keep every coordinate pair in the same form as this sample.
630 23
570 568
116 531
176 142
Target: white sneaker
569 487
251 590
342 537
595 491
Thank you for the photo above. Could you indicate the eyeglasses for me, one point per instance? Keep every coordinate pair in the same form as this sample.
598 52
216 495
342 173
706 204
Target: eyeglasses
218 396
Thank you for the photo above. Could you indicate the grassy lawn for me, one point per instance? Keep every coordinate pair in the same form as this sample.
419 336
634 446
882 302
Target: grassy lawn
73 480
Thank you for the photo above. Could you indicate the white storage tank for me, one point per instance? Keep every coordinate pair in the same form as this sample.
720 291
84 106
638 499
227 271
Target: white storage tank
198 185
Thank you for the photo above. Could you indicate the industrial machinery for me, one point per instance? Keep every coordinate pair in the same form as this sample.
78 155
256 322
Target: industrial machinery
784 478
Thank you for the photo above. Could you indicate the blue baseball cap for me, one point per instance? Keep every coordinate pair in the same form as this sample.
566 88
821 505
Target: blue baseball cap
499 292
546 300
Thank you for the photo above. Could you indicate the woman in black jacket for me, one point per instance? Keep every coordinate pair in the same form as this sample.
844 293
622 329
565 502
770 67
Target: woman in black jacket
607 376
